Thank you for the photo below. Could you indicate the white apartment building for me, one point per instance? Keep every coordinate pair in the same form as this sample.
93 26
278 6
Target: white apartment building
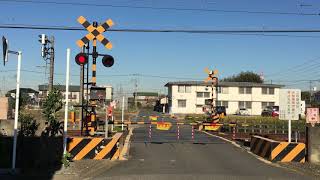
74 92
189 97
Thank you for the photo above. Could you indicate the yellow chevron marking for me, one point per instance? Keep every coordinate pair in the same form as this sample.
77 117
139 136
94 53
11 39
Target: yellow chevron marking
294 152
278 149
116 155
92 144
108 147
73 143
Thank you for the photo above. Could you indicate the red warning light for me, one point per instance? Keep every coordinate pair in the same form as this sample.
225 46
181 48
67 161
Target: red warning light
107 61
81 59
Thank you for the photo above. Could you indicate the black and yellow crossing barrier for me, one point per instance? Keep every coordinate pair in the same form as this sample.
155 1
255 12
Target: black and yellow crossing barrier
94 148
277 151
152 122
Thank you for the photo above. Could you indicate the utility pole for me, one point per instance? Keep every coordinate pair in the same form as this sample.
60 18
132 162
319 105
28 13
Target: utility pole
135 81
310 83
47 53
51 64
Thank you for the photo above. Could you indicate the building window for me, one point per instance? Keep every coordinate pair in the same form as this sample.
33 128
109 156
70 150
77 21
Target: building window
267 90
188 89
245 104
223 90
223 103
203 94
184 89
245 90
181 89
265 104
182 103
271 90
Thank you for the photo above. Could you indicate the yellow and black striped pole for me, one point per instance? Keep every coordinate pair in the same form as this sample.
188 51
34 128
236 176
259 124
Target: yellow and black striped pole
214 100
94 64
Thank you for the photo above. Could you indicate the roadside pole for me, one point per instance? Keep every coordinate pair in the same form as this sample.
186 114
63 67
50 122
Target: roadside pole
16 114
65 127
106 124
289 130
122 115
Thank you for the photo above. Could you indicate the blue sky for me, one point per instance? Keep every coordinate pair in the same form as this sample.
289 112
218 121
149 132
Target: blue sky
170 54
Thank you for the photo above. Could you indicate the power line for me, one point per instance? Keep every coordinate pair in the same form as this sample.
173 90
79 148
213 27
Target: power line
258 32
109 75
161 77
296 68
209 31
161 8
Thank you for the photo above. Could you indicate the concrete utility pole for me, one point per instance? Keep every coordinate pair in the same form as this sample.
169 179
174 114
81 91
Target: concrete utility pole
47 53
310 91
51 64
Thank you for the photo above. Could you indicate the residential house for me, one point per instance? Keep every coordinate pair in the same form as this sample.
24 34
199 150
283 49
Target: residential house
189 96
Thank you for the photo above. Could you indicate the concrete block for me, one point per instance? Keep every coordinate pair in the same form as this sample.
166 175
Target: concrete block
314 144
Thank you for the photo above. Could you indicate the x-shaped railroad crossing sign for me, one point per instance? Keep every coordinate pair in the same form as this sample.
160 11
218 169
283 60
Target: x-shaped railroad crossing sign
95 32
211 75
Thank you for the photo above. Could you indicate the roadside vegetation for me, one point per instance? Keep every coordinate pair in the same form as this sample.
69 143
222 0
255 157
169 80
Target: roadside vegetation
251 121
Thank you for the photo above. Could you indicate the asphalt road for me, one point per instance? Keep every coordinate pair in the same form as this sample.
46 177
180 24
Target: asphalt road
206 157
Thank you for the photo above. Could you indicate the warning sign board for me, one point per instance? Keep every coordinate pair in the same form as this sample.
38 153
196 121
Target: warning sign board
313 115
164 126
289 104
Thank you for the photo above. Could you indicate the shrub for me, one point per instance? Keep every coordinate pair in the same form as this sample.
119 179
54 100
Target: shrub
52 104
29 125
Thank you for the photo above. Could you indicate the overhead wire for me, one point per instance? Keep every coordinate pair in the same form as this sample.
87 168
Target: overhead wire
258 32
307 68
160 8
109 75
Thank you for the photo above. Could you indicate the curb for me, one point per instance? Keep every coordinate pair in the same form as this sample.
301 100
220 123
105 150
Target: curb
124 154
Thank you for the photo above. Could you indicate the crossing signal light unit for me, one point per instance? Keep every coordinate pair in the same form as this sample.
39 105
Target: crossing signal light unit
107 60
81 59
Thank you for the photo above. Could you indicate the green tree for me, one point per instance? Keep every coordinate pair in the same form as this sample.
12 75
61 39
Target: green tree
24 100
247 76
28 125
305 96
51 105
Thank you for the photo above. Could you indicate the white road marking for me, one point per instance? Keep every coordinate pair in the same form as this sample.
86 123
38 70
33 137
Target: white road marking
248 151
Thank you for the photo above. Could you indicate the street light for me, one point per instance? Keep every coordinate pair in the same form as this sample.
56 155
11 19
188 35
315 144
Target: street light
6 51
